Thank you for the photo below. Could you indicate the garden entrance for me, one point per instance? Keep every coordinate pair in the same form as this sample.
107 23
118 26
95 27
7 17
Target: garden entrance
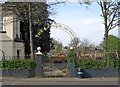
57 66
55 69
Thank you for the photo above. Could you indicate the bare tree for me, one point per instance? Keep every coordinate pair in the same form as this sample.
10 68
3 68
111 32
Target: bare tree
109 9
74 42
85 45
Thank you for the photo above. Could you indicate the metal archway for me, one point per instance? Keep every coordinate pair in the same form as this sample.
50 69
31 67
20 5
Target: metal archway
53 66
63 27
69 31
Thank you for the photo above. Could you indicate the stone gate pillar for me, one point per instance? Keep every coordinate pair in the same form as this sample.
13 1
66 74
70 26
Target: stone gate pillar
39 65
72 63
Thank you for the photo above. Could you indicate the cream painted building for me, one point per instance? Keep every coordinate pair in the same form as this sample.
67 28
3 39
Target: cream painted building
11 45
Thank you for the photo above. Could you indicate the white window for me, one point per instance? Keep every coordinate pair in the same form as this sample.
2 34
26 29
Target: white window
2 23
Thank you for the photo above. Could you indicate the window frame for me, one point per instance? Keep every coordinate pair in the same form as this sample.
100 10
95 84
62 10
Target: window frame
2 25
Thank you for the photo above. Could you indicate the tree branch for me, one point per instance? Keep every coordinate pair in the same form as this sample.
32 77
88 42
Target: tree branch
111 4
110 14
114 15
57 2
113 26
101 5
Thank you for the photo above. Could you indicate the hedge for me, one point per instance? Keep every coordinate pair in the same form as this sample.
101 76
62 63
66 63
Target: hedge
97 63
113 61
91 64
17 64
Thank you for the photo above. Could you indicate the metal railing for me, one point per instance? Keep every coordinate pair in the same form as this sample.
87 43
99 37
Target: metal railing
13 57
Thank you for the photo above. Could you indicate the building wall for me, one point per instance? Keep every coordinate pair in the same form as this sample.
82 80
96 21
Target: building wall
20 47
91 53
10 48
7 48
9 26
16 28
8 45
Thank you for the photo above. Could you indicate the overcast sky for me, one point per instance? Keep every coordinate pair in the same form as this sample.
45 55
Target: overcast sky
85 22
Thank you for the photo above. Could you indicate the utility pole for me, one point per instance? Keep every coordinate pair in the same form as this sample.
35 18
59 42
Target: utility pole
31 34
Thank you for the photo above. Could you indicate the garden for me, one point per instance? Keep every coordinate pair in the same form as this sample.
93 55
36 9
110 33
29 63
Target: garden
107 67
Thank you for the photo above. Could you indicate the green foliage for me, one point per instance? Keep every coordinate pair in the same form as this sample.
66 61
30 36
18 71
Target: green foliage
71 56
113 43
117 63
17 64
86 56
91 64
58 47
112 61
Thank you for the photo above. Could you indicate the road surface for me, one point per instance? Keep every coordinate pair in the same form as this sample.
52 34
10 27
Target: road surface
60 81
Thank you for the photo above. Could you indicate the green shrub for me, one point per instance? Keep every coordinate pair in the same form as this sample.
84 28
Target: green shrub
111 60
116 63
98 63
17 64
91 64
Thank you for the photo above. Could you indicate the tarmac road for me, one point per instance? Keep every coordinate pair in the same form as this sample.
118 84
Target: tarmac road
60 81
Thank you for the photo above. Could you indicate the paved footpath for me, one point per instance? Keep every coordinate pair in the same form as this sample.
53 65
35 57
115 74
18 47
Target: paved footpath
60 81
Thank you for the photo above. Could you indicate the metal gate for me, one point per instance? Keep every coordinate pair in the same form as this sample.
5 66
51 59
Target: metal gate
52 69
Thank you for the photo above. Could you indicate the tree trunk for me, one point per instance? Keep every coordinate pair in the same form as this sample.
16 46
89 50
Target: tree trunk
106 40
31 34
105 14
105 25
